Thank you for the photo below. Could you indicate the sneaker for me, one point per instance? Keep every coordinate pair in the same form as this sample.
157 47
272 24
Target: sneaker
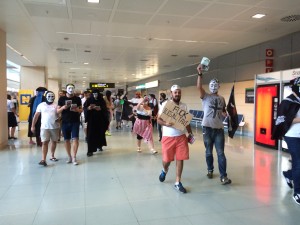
210 174
139 150
296 198
225 180
75 163
162 176
107 133
288 180
69 160
180 188
43 163
153 152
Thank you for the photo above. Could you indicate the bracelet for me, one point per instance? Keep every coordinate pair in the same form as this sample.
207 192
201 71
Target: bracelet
200 74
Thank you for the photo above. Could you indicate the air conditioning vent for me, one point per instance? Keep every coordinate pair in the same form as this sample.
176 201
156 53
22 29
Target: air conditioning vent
291 18
62 49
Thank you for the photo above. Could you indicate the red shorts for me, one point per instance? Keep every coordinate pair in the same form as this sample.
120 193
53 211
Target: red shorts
175 146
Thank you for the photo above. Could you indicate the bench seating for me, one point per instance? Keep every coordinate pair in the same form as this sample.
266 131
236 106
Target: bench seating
241 122
198 116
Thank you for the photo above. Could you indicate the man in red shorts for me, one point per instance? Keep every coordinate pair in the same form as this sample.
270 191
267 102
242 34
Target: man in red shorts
174 142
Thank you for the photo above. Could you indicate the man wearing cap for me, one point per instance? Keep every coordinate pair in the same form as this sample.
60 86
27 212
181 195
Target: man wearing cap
70 108
287 126
212 124
174 142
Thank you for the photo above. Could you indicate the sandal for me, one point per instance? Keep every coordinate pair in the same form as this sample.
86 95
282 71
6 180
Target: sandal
54 159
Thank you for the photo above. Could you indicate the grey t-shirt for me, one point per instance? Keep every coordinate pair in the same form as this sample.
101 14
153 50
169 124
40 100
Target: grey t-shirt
213 106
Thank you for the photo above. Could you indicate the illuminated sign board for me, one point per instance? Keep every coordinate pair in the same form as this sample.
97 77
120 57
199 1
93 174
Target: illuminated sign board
102 85
141 86
151 84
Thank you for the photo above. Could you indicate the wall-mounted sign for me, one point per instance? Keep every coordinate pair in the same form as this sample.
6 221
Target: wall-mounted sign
269 52
151 84
102 85
249 95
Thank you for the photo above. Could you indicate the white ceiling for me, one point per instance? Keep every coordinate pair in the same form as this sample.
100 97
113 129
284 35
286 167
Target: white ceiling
129 40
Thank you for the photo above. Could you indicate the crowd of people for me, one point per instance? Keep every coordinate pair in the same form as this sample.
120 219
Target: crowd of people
95 112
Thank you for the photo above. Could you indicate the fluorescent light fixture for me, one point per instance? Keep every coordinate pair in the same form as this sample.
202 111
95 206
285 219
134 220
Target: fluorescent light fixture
86 63
93 1
258 16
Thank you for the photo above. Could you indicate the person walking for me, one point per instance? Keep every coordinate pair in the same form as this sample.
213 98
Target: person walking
287 126
97 122
12 120
162 99
49 126
33 103
109 105
142 126
214 108
118 111
154 107
174 142
70 108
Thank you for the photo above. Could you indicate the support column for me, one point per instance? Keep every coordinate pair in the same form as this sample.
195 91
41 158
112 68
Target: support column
3 93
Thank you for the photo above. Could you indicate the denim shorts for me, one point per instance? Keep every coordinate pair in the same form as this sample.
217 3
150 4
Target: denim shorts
70 130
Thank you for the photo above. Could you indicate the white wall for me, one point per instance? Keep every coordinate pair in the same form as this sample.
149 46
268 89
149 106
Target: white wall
3 96
32 77
53 86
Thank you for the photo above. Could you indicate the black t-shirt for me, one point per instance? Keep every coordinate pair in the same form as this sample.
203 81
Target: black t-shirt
67 115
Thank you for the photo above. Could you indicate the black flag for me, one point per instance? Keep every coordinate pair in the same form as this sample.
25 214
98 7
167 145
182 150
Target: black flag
233 123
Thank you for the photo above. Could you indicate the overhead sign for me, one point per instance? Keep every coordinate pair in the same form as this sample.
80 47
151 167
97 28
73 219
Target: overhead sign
152 84
172 113
102 85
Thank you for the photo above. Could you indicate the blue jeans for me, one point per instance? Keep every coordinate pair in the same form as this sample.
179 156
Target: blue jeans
215 137
70 130
293 144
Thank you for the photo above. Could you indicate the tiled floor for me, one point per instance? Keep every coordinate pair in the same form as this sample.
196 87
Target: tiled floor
121 186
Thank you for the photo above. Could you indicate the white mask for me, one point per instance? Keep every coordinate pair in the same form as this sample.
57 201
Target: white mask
50 97
214 86
70 89
95 95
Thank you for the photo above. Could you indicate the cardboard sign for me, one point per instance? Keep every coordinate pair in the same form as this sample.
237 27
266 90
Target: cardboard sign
172 113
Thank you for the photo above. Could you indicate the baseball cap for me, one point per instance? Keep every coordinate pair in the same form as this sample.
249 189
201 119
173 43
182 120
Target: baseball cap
175 87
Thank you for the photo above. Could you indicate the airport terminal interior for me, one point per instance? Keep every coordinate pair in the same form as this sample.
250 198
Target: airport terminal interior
121 186
146 46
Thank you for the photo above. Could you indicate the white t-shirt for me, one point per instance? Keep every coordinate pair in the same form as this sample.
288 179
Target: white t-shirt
170 131
48 115
294 130
9 106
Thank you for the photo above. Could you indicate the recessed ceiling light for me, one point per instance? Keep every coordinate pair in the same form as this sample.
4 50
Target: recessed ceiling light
258 16
86 63
93 1
83 77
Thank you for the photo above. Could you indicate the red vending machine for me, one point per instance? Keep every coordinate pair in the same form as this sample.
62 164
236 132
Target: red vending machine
266 104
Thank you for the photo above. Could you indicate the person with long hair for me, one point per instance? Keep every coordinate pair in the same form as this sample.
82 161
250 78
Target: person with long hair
109 105
142 126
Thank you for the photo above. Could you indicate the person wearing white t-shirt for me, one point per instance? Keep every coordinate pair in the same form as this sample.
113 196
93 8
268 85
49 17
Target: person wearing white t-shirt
174 142
49 126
